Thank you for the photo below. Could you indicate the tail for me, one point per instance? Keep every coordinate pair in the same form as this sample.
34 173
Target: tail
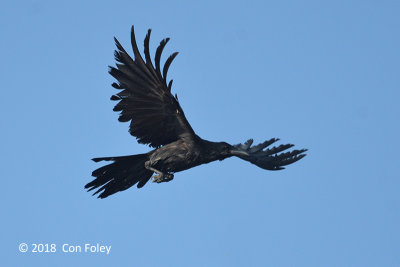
123 173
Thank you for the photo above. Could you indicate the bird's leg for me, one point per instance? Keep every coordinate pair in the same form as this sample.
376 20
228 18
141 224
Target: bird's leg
160 177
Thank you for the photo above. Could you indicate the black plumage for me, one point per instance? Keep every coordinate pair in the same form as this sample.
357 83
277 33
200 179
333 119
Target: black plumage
157 119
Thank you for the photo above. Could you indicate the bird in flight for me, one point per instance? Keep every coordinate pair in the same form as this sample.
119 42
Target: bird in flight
157 119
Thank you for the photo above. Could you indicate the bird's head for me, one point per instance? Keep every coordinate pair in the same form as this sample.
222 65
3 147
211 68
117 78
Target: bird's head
225 150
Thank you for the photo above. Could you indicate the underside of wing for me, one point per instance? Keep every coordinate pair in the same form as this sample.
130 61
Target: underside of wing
271 158
145 99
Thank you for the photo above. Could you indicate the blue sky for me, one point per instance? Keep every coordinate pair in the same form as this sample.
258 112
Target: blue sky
323 75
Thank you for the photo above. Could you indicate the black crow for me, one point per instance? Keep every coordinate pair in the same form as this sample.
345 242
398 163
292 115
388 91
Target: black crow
157 119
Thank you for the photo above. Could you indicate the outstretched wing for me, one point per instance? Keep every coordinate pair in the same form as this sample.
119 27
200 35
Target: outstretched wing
271 158
145 99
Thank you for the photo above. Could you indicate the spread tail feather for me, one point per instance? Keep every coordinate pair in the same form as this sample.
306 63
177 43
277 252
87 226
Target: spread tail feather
123 173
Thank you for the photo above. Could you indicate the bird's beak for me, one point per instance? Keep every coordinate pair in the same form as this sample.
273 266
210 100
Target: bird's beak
238 152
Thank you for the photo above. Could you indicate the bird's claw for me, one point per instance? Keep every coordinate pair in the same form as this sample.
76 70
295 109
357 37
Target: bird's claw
162 177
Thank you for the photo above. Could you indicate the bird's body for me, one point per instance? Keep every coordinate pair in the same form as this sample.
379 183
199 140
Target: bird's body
184 154
176 156
157 119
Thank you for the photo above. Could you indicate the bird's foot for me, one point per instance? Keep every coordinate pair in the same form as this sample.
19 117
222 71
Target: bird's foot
162 177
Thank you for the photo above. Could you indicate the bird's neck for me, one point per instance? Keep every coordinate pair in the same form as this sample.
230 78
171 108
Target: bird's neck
210 151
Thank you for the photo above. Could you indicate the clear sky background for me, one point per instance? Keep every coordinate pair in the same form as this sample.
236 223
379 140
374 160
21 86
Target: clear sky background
323 75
